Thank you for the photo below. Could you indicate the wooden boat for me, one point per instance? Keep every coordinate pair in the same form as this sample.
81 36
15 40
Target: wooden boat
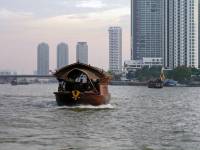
155 83
82 84
158 83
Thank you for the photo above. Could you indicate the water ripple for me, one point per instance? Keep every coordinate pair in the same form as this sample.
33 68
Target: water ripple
138 118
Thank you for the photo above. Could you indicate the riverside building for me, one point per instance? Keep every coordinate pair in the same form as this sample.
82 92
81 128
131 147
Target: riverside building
167 29
43 59
181 33
82 52
147 31
62 55
115 49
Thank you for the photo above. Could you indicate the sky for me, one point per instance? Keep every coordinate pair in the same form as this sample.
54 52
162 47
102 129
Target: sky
26 23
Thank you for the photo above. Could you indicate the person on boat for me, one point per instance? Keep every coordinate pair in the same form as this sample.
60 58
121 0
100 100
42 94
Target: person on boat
83 78
81 82
61 85
77 79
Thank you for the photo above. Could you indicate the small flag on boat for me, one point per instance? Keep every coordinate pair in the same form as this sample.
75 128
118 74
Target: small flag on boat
162 76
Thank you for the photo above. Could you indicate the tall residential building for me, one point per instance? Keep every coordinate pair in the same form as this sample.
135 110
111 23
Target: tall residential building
199 33
115 49
147 29
82 52
43 59
62 55
181 33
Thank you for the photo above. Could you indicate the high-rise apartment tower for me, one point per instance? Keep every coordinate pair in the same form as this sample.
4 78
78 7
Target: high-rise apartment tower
181 33
147 29
115 49
62 55
43 59
82 52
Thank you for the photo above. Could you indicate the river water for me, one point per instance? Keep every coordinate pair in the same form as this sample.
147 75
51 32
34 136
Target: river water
138 118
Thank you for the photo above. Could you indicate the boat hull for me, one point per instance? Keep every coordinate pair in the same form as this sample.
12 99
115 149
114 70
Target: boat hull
156 85
67 99
170 83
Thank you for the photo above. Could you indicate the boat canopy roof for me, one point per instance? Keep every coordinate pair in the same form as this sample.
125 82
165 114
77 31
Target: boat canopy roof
77 68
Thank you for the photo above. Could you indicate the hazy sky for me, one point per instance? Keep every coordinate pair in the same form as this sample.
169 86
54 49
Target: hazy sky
25 23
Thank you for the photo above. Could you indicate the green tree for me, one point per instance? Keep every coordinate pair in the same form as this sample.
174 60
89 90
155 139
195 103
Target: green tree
146 73
155 71
142 74
115 76
195 71
169 74
109 72
182 74
130 75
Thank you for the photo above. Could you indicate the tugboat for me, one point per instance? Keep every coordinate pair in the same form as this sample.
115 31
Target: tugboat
155 83
82 84
158 83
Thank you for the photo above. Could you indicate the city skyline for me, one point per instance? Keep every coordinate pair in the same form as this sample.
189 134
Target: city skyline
25 24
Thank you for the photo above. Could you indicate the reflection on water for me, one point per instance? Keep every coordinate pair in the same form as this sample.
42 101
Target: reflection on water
138 118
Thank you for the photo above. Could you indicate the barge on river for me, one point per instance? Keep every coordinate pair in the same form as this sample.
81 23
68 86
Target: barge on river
158 83
82 84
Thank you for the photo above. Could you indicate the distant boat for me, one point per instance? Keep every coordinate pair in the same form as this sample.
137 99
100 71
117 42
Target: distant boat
20 82
82 84
170 82
155 83
3 82
158 83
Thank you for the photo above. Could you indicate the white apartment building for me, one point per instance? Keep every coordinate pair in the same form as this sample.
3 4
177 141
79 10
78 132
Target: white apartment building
115 49
133 65
82 52
43 59
181 33
62 55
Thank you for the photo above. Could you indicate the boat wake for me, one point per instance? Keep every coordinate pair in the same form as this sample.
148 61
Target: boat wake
108 106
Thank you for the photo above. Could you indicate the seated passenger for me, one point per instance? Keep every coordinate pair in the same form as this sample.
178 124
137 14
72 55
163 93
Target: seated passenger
77 79
83 78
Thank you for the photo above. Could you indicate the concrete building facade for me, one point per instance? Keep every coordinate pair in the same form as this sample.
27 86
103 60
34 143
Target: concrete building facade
82 52
147 29
199 33
167 29
62 55
115 49
181 33
43 59
133 65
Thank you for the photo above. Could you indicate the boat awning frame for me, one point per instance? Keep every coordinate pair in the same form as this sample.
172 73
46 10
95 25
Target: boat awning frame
91 72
